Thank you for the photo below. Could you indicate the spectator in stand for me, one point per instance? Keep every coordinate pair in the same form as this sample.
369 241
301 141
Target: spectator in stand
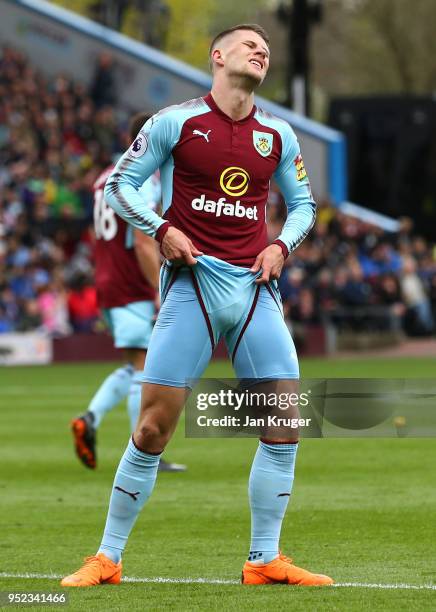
324 293
103 86
305 310
415 298
303 313
356 292
381 259
6 325
82 304
29 316
291 284
53 305
388 295
10 309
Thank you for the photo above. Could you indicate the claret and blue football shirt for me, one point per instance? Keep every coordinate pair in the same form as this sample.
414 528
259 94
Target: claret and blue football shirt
215 175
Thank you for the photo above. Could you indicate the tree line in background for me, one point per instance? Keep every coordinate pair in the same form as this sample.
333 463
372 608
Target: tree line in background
361 47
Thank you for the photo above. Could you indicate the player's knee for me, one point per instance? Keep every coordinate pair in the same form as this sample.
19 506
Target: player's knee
151 435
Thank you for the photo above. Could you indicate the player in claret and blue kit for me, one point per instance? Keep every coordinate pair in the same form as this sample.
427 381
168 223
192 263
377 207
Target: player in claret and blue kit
127 279
216 155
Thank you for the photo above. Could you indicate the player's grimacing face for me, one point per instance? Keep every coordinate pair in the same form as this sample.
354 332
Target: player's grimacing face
246 54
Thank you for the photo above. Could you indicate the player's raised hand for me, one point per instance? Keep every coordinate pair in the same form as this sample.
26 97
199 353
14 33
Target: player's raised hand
178 248
270 261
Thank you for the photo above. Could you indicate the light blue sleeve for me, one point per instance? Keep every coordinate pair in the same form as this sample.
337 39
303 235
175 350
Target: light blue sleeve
293 182
151 148
151 191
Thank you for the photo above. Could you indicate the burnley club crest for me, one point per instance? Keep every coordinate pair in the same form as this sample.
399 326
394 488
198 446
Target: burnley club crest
263 142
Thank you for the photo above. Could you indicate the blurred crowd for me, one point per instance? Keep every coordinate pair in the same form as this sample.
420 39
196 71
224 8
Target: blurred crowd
56 136
358 277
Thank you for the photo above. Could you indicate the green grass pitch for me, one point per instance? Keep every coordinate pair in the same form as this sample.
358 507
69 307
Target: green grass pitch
363 511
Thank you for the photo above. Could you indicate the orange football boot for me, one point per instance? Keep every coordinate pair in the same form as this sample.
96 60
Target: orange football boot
95 570
281 571
84 435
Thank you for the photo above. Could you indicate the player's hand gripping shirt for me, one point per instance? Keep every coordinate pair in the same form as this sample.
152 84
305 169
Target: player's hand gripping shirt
215 175
118 277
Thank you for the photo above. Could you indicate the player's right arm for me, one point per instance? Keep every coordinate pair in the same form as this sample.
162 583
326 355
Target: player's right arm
150 149
147 254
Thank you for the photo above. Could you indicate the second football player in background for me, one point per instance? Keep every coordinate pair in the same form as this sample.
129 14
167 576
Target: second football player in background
127 266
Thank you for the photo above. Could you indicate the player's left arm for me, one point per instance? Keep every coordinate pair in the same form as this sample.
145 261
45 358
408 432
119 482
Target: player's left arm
293 182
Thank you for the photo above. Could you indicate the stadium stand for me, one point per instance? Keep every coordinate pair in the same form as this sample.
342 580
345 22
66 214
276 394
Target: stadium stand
56 137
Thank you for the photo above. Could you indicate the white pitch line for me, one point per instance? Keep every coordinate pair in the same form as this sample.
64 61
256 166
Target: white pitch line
162 580
415 587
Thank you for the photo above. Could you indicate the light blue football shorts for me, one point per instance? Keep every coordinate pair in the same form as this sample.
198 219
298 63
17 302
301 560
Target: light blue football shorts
215 299
131 325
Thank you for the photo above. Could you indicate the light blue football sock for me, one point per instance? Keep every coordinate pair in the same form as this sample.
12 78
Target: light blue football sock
133 484
269 489
134 399
112 391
